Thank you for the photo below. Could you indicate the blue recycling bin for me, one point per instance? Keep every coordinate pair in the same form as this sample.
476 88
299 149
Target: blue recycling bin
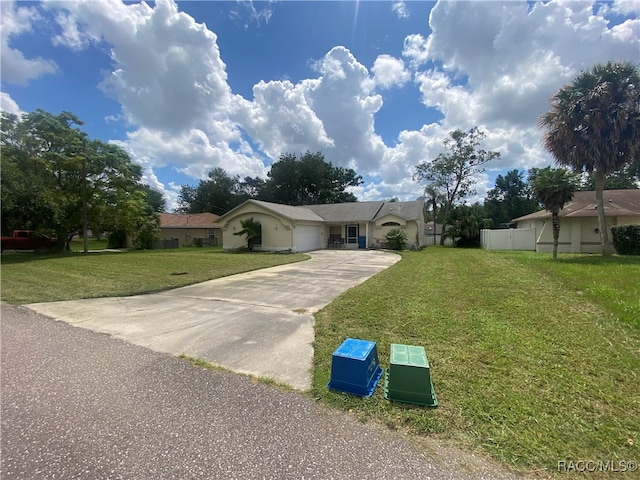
355 368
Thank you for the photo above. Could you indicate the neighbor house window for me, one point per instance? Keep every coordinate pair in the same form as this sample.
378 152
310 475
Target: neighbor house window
390 224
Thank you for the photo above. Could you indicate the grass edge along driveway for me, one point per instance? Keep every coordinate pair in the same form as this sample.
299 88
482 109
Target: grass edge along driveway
31 278
533 361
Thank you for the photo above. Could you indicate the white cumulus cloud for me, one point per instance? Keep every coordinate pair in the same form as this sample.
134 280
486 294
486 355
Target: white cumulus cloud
16 20
9 105
487 64
390 71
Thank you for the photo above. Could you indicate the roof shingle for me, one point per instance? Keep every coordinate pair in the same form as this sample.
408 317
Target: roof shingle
189 220
617 203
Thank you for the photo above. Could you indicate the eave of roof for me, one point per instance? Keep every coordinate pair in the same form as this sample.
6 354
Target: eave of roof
189 220
617 203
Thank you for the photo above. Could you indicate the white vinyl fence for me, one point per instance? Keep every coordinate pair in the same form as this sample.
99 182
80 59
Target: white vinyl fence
509 239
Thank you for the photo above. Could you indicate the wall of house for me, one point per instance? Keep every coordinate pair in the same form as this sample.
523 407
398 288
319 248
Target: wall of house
412 228
544 243
577 235
628 220
276 233
186 235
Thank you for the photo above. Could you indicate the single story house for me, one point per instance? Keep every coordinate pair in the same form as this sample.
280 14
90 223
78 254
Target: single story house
312 227
187 227
579 221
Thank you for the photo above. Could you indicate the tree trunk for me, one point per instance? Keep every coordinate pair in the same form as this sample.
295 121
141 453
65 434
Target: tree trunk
602 221
435 222
444 224
555 224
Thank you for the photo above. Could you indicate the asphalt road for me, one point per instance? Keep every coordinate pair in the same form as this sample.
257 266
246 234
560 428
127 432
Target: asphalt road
81 404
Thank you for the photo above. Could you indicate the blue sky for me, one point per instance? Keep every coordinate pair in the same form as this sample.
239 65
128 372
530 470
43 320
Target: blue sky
377 86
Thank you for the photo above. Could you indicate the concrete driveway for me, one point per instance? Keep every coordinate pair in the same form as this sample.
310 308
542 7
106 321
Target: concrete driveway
259 322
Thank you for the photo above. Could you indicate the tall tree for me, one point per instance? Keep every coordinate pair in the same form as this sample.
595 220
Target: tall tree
510 198
434 198
308 180
454 172
626 178
594 126
47 161
218 194
156 199
553 188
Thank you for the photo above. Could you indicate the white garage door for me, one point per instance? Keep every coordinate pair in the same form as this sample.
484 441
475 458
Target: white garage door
307 237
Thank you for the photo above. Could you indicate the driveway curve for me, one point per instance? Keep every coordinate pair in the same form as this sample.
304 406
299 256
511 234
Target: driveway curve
258 323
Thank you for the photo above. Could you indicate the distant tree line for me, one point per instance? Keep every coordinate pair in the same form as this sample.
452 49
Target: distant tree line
292 180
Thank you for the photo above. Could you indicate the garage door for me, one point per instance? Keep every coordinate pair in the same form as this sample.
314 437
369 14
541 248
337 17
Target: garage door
307 237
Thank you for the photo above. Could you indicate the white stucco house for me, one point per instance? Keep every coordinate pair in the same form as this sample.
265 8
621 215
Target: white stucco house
579 221
312 227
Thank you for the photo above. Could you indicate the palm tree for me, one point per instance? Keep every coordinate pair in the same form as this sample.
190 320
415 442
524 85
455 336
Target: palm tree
434 197
252 229
553 188
594 126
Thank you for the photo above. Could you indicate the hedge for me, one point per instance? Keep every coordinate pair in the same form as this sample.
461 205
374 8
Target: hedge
626 239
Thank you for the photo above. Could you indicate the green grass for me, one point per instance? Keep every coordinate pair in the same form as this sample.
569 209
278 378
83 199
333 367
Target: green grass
77 244
533 361
30 278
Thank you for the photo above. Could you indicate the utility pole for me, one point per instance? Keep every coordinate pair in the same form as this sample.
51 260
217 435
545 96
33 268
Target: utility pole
85 227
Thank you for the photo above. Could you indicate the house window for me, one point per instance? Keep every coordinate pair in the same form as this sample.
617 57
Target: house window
390 224
352 233
257 240
212 233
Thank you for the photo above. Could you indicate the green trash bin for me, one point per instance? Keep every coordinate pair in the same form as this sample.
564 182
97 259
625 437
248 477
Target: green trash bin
408 378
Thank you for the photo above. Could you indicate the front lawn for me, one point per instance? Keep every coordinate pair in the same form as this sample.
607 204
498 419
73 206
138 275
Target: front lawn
533 361
30 278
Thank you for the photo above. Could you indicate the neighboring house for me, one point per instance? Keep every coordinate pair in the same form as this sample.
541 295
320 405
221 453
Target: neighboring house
431 238
187 227
312 227
579 221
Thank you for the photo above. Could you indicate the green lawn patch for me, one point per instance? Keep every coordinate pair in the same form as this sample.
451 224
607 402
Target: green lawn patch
77 244
533 361
30 278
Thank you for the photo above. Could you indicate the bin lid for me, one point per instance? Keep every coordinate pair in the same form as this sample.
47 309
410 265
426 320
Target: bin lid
355 349
408 355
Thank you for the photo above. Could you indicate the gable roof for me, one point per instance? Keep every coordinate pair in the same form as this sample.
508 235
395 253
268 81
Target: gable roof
347 212
339 212
287 211
407 210
617 203
189 220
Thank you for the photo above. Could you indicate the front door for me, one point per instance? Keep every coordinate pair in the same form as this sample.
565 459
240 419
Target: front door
352 234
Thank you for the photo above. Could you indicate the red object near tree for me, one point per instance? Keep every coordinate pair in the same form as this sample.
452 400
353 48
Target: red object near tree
27 240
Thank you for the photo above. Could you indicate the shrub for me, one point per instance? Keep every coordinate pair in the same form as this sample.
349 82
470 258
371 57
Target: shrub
117 239
396 239
626 239
197 242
